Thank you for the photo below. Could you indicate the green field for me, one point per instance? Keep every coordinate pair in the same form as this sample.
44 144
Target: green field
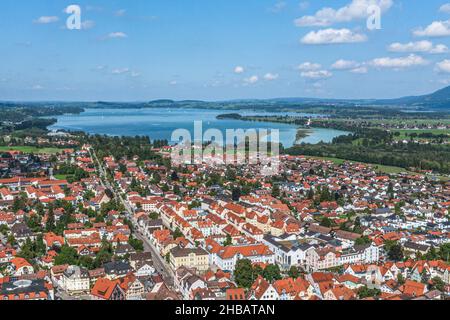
378 167
26 149
411 121
403 133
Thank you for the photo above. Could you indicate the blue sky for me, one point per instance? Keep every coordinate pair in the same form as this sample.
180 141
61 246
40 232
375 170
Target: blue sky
222 49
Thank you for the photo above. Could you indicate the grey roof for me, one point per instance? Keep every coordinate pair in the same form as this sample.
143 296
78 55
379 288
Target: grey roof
183 252
117 267
23 286
415 246
141 256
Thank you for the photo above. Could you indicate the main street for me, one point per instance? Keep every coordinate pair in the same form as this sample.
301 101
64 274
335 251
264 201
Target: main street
160 264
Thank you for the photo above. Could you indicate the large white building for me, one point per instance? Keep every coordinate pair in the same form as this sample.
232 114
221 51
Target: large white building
325 258
369 253
75 280
288 251
227 257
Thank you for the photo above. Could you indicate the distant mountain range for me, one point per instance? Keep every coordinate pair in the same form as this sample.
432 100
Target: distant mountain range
437 101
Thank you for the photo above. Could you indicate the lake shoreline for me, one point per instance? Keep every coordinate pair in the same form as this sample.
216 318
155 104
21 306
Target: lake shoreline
159 124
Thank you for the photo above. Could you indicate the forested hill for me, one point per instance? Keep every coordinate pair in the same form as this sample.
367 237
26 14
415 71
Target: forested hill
439 100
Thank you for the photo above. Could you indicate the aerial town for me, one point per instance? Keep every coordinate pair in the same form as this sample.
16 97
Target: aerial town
79 224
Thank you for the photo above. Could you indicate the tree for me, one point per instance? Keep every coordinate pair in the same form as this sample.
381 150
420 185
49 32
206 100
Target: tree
39 246
438 283
275 190
444 252
11 240
257 271
137 244
243 273
365 292
153 215
432 254
326 222
400 279
228 241
50 224
310 194
27 251
19 203
105 253
388 244
236 194
177 233
156 178
34 222
67 255
294 272
395 253
86 262
363 240
4 229
272 272
174 176
102 257
357 228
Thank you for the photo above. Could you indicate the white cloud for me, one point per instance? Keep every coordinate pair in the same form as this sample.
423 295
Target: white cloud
239 70
251 80
173 83
87 24
360 70
120 13
345 65
120 71
435 29
443 66
439 48
278 6
402 62
333 36
309 66
303 5
135 74
46 20
270 76
37 87
100 68
355 10
116 35
419 46
445 8
320 74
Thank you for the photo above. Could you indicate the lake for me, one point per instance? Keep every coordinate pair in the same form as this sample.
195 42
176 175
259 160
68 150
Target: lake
159 123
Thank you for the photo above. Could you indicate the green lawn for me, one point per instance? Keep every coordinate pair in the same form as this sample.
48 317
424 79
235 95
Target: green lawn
62 176
26 149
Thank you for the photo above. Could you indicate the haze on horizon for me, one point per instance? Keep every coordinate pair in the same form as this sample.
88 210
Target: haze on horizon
222 50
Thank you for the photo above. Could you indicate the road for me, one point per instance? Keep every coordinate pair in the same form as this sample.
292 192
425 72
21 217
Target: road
160 264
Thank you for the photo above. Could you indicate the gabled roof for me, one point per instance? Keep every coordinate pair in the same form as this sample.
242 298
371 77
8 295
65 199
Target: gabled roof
104 288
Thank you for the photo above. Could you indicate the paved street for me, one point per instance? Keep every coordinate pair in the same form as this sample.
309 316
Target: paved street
160 264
